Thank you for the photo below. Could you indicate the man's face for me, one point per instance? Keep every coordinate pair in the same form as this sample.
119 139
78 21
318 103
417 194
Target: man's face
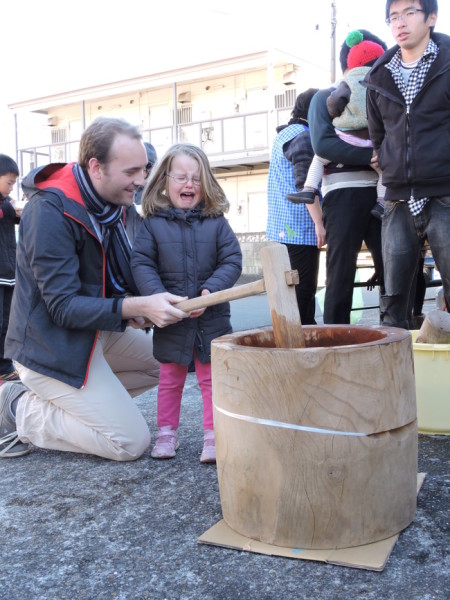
7 182
117 181
410 30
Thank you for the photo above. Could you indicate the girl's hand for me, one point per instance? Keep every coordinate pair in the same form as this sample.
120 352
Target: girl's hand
198 313
140 323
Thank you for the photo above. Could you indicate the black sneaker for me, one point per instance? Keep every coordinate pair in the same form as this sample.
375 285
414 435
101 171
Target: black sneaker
10 444
302 197
377 211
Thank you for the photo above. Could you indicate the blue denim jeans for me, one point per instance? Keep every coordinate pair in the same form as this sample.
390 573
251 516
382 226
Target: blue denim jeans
403 237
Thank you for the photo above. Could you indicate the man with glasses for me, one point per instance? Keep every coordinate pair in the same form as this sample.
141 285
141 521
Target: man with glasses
76 330
409 122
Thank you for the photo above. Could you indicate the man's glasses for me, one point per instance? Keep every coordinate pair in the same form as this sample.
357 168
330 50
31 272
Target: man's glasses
182 179
406 15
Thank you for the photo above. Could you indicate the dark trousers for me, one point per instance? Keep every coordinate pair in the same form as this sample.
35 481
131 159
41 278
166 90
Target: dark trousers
305 259
6 293
403 238
348 223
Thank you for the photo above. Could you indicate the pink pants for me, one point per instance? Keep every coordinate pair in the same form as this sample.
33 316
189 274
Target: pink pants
170 390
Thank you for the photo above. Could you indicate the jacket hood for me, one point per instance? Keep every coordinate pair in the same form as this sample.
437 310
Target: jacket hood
171 213
56 176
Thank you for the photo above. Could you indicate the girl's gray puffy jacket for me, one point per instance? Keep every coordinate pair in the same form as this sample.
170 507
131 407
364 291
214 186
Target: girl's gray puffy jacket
183 253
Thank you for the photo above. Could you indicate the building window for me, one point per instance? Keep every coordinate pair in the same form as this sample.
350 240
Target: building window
184 114
59 135
286 99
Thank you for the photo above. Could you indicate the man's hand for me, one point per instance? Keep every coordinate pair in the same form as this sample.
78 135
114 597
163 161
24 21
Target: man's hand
315 212
320 234
157 309
374 162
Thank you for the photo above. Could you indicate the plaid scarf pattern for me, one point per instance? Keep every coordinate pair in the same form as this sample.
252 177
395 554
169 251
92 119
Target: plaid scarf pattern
410 91
119 280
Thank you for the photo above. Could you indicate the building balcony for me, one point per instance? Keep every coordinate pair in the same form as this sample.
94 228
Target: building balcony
233 144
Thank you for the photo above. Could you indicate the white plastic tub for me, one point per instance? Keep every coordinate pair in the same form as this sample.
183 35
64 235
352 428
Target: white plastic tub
432 373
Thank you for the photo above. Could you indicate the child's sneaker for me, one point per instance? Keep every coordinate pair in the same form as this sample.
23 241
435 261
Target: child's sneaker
302 197
209 447
377 211
166 443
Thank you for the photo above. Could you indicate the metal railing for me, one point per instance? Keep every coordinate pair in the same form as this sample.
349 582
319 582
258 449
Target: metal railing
232 136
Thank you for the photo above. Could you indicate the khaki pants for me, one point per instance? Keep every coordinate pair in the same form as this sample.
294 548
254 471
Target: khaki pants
101 418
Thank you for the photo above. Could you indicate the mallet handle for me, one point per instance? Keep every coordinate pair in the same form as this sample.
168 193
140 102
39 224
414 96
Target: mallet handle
234 293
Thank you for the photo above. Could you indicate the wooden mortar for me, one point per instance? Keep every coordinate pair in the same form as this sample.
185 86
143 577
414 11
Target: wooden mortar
351 482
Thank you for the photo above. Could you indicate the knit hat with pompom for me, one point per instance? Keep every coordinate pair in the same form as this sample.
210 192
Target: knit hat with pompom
360 49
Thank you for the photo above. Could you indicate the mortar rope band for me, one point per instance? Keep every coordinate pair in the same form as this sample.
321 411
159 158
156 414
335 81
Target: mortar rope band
271 423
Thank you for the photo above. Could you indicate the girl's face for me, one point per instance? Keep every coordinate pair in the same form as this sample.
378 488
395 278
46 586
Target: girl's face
184 182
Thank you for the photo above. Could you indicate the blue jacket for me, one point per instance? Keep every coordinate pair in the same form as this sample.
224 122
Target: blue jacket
58 304
291 156
184 252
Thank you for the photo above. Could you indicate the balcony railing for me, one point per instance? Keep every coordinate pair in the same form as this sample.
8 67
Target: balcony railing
227 138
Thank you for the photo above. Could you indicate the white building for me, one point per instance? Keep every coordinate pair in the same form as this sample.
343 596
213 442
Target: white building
229 107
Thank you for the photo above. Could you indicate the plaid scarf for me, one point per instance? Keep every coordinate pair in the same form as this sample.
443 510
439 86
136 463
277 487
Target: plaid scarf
116 244
410 91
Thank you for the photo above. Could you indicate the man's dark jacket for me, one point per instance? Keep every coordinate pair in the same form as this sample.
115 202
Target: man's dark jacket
58 305
413 147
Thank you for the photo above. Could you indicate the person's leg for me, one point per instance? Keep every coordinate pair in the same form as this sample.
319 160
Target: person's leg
101 418
305 260
346 214
203 372
401 244
420 289
372 238
170 391
315 173
437 213
6 292
130 356
307 194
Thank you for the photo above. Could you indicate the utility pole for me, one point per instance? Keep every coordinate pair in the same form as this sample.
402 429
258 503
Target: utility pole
333 42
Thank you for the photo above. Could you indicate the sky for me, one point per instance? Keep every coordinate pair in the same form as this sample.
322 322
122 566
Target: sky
54 49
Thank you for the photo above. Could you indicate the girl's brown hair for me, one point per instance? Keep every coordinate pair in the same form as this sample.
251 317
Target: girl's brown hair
156 191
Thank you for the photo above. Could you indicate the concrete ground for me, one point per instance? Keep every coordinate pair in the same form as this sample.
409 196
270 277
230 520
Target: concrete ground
79 527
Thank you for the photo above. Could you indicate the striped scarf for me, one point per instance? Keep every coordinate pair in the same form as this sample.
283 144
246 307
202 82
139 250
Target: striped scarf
119 280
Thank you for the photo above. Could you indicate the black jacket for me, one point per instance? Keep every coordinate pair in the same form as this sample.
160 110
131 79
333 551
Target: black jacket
58 304
8 220
413 149
183 253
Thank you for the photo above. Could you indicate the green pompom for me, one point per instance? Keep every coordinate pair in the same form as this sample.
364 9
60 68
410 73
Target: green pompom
353 38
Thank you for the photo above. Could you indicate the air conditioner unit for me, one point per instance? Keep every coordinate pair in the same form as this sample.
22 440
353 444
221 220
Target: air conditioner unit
290 78
52 121
184 97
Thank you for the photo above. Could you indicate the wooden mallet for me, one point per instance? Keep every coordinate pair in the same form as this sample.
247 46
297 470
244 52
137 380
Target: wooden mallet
279 284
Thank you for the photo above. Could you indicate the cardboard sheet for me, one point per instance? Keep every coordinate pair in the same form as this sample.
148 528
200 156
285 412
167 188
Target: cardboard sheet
371 556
